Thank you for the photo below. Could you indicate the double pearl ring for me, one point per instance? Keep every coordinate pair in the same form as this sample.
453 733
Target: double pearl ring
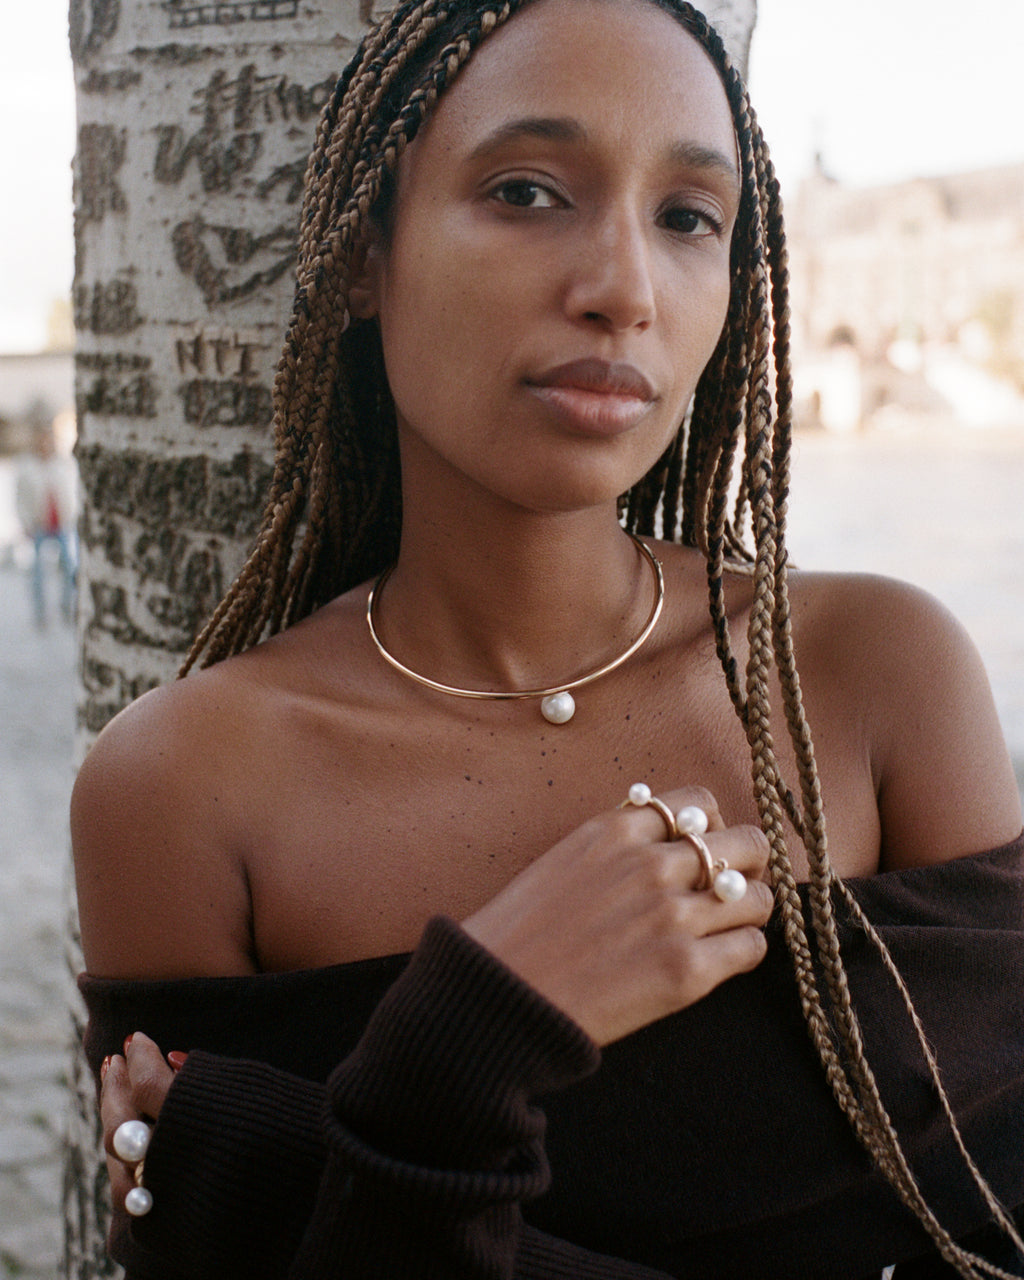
131 1142
690 824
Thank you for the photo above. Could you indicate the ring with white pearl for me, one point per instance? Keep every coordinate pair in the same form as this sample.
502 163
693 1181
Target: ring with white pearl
641 796
728 884
691 820
130 1143
131 1140
138 1202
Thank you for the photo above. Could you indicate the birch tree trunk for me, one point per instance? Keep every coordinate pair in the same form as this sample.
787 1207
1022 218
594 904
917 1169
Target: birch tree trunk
195 118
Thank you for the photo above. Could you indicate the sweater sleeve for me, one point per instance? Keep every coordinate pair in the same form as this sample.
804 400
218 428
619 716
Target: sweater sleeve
413 1161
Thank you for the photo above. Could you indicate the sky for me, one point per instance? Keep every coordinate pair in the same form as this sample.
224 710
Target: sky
885 89
888 89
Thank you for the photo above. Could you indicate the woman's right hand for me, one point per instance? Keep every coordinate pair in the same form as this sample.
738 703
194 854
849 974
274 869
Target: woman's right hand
610 927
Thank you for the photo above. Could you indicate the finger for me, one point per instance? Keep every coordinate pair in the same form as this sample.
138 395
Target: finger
742 849
709 916
745 848
116 1106
150 1075
720 956
116 1103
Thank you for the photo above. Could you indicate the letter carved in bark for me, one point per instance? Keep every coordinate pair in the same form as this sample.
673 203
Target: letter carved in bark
188 13
101 152
228 263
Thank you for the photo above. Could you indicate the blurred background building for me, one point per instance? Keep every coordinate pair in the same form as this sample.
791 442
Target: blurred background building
908 300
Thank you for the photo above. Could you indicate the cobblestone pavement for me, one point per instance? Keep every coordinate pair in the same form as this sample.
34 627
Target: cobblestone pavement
36 729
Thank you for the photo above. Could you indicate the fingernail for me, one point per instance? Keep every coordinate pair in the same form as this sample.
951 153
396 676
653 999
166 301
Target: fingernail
104 1067
176 1059
127 1042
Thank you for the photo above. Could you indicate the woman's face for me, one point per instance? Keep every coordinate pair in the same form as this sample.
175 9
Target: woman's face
557 273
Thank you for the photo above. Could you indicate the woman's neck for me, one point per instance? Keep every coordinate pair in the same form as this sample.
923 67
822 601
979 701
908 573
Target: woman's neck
514 600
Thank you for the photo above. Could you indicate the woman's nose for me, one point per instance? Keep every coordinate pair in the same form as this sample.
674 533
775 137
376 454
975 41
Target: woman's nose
612 282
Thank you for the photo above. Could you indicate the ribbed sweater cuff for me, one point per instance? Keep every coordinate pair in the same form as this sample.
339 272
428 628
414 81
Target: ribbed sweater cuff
430 1131
237 1155
443 1074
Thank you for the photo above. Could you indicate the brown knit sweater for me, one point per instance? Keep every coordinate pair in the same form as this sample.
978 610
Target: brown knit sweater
400 1117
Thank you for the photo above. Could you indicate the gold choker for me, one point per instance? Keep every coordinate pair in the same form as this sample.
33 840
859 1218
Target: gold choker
557 703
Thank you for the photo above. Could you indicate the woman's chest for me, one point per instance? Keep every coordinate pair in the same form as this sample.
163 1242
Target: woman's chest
376 827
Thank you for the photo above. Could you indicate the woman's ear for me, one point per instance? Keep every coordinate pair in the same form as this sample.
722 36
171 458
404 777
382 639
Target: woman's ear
366 277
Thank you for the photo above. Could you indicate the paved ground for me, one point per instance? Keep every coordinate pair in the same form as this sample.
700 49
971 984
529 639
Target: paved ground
36 725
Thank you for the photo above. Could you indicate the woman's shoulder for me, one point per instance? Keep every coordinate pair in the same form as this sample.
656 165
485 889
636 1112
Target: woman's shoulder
182 793
868 632
174 734
891 658
867 614
160 813
160 893
185 736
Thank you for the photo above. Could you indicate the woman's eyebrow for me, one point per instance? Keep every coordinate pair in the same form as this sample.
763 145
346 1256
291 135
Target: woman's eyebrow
546 128
695 155
565 129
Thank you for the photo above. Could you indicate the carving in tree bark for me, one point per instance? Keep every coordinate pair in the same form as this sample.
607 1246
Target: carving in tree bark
195 120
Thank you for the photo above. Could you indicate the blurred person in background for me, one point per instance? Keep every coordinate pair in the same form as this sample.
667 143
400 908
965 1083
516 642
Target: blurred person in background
46 503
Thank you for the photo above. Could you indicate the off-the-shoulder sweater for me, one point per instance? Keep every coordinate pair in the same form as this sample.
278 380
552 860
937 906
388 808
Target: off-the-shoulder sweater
431 1117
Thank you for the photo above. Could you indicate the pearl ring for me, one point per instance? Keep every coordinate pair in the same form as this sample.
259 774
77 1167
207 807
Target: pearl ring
725 883
130 1143
641 796
728 884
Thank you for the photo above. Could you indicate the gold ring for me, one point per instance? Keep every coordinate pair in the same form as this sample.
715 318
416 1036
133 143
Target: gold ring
641 797
707 865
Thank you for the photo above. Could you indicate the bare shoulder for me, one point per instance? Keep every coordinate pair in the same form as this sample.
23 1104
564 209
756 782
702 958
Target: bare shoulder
183 794
161 890
893 661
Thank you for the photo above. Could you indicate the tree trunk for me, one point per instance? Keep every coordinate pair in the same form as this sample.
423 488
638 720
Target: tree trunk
195 118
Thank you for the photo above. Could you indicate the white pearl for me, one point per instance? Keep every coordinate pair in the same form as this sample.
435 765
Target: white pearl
131 1140
558 708
640 794
691 820
730 885
138 1202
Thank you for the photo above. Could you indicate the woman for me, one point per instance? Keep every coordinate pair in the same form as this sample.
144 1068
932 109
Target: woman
518 268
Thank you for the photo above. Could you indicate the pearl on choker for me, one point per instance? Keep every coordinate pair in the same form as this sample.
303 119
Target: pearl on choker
558 708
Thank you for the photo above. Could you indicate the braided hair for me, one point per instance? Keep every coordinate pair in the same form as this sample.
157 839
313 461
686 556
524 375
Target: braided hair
334 513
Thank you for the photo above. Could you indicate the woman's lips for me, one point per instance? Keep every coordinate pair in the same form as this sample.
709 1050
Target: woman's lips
595 396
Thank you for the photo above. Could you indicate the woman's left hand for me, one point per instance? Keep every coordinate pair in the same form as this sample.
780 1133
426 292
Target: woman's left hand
133 1088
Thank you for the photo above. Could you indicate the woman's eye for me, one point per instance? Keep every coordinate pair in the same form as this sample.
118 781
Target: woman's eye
692 222
520 193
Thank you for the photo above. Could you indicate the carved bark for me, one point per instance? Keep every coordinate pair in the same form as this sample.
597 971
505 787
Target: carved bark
195 120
